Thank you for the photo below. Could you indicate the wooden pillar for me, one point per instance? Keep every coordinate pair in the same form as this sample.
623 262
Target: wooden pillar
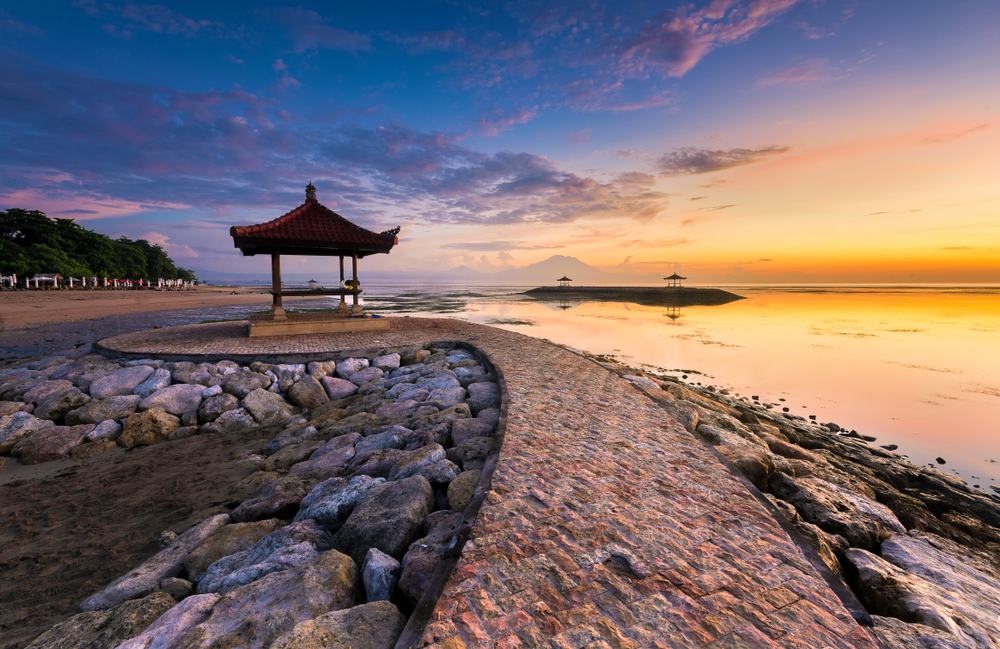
343 301
276 309
356 309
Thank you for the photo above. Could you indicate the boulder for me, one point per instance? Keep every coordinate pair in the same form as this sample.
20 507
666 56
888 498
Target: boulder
175 399
490 416
105 629
394 437
149 427
51 443
446 397
92 449
288 375
396 409
862 521
214 406
398 379
483 396
375 625
319 369
286 548
350 366
438 380
16 426
407 392
469 375
110 430
290 436
182 433
755 464
46 389
98 411
307 392
463 430
366 375
896 633
377 463
277 499
255 615
240 384
947 589
413 461
439 473
230 421
380 575
211 391
461 489
57 405
389 518
267 407
291 454
332 501
471 455
159 379
10 407
386 362
119 382
227 541
327 465
166 632
423 555
335 444
167 563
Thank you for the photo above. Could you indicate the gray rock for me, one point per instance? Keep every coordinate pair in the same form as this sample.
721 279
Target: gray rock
307 392
332 501
290 436
468 375
97 411
463 430
50 443
158 380
10 407
896 633
407 392
461 490
189 419
240 384
57 405
327 465
211 391
377 463
338 388
230 421
490 415
214 406
319 369
862 521
291 454
277 499
350 366
152 362
721 437
175 399
435 382
439 473
397 380
255 615
375 625
471 455
288 375
267 407
413 461
175 587
227 367
424 554
387 362
396 409
389 518
168 630
119 382
394 437
378 385
167 563
182 433
109 429
228 540
380 575
755 464
44 390
15 427
365 376
483 396
446 397
105 629
335 444
286 548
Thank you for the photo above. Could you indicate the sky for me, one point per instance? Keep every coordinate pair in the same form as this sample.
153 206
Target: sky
730 141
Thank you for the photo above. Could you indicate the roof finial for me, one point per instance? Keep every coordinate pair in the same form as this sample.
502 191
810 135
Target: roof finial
310 192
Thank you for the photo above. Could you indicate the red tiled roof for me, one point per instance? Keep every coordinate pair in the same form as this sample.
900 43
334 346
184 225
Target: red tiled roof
315 224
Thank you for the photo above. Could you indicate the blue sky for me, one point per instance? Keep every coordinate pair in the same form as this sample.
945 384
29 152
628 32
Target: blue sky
636 136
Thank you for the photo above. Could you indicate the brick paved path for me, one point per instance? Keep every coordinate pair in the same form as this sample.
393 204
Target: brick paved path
607 524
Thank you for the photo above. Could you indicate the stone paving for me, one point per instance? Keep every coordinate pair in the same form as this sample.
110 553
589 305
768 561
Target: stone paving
607 523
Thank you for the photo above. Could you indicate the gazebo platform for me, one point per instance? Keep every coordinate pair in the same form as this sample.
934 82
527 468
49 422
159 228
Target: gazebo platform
322 322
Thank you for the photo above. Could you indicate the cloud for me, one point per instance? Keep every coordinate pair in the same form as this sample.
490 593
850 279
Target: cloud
698 198
492 246
279 65
172 249
233 59
579 137
152 18
801 73
497 121
718 208
9 23
876 213
691 160
953 135
309 32
654 243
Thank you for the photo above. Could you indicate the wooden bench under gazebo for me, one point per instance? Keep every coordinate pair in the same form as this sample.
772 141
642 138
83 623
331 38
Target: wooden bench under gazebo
315 230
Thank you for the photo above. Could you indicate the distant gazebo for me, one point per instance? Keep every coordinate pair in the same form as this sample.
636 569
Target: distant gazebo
313 285
564 281
674 280
314 230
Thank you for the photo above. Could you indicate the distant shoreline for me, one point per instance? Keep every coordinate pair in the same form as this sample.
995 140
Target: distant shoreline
648 295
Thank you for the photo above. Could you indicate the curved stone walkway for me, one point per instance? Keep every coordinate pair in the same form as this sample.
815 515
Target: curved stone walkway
607 523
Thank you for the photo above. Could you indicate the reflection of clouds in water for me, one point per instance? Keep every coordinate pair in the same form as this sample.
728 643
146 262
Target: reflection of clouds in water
699 336
916 366
819 346
945 396
816 331
983 389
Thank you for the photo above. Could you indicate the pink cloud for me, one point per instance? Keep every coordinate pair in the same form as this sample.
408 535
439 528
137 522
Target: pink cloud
801 73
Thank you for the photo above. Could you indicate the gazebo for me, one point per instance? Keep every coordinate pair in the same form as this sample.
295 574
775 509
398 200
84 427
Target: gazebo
315 230
674 280
564 281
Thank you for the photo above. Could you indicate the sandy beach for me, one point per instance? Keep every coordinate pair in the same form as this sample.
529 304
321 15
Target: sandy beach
22 309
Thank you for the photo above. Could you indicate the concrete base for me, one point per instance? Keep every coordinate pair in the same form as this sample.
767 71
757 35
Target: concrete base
294 324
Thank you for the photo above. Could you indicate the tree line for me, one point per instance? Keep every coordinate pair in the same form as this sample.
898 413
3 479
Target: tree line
31 242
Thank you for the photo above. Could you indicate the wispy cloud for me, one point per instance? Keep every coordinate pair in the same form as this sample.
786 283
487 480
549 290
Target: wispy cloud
579 137
9 23
492 246
692 160
496 121
953 135
804 72
309 31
